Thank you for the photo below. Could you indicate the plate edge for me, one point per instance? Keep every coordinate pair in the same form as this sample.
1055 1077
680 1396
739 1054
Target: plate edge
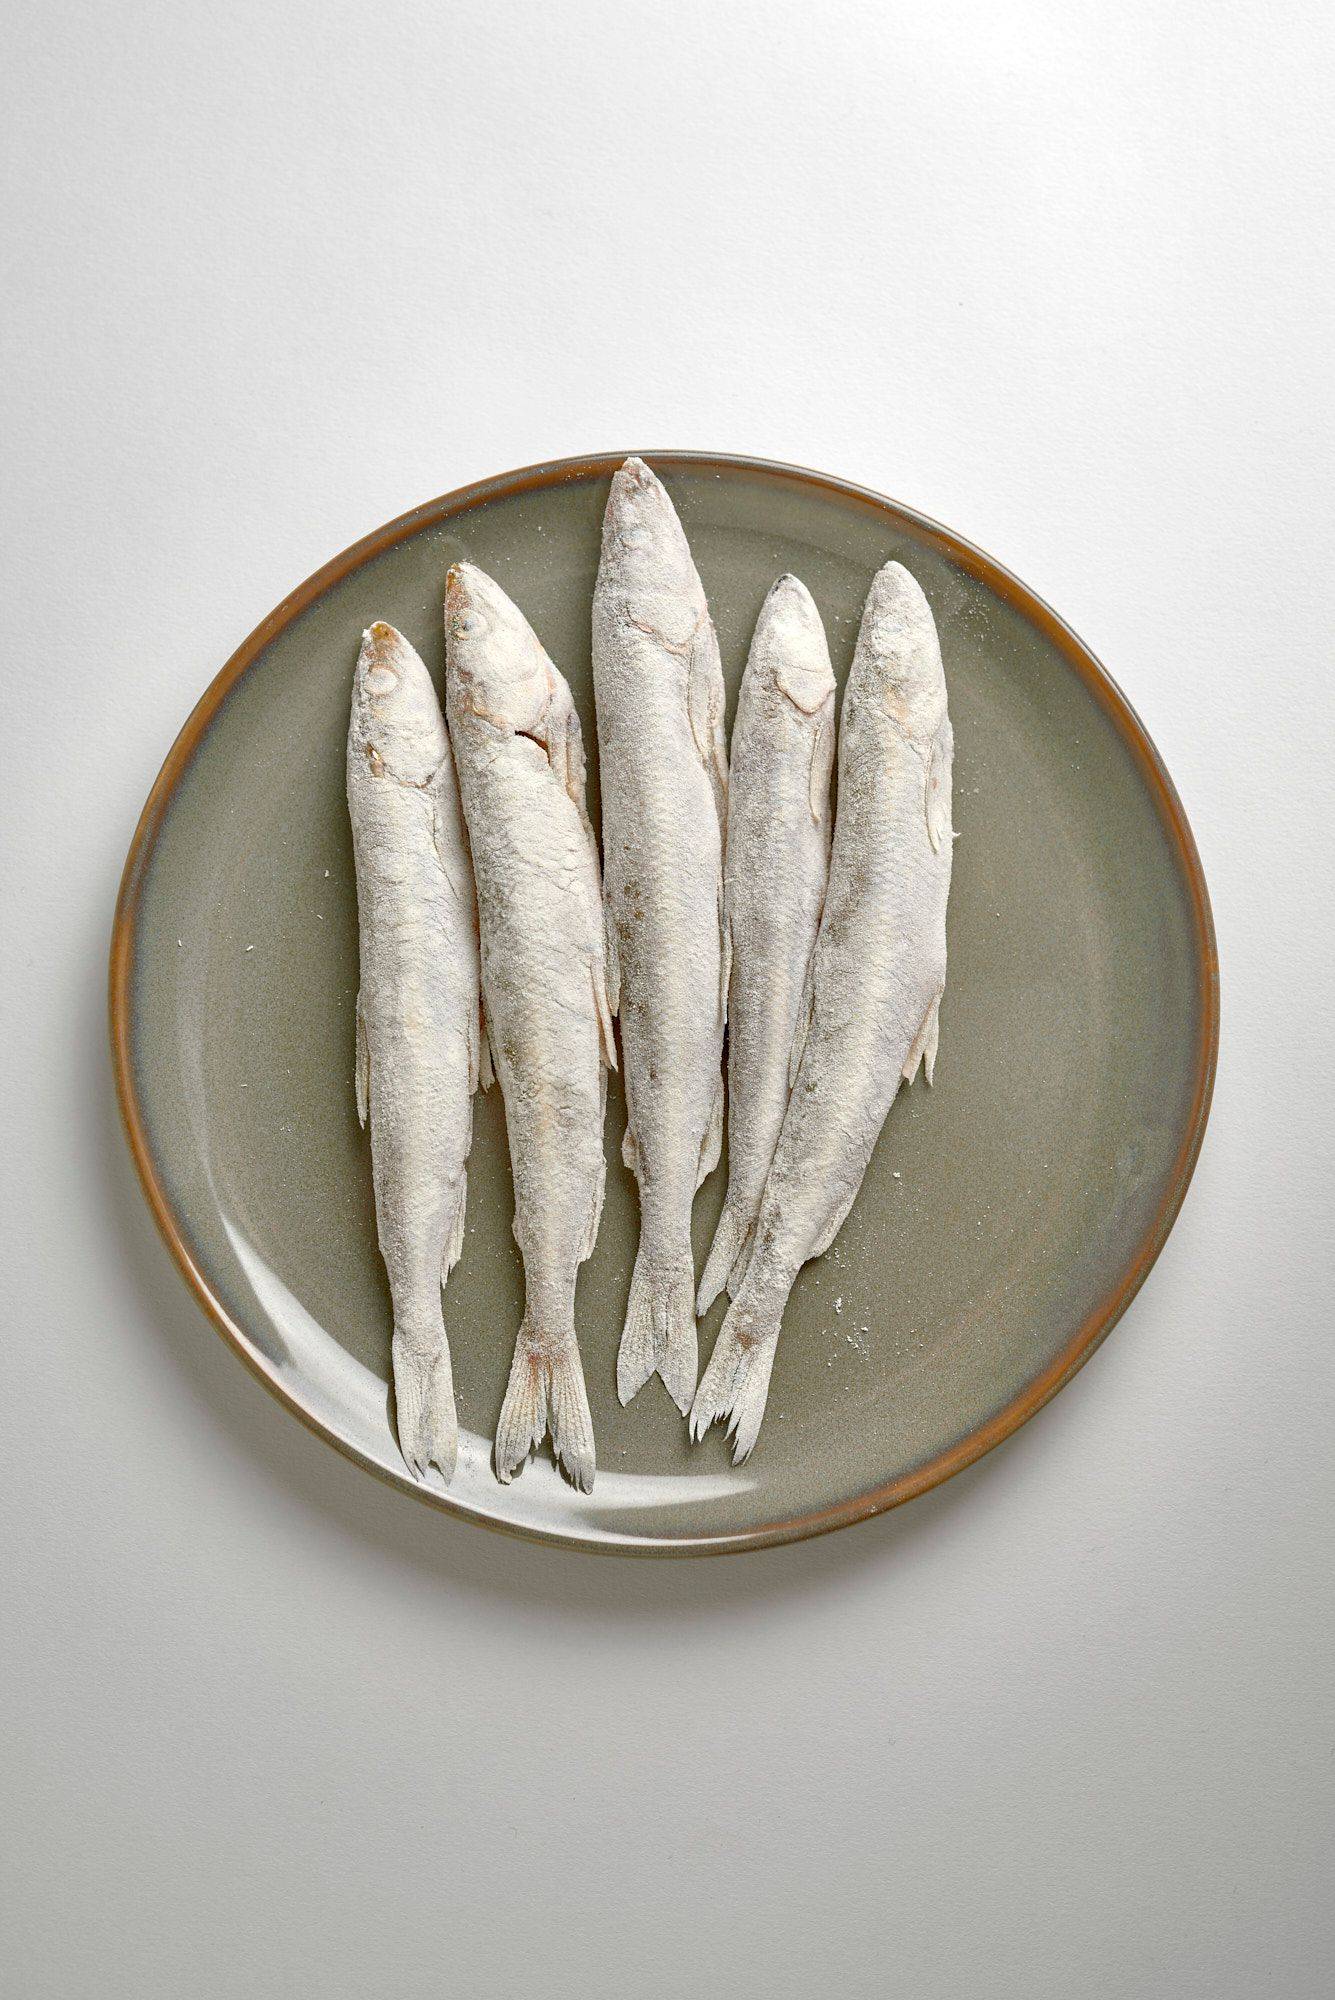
1092 1332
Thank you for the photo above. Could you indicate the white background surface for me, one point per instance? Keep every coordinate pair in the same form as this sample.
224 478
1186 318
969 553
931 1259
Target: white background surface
1058 275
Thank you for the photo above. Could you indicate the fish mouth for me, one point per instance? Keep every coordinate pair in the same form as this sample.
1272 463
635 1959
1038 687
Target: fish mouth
900 637
895 618
465 585
789 599
382 664
465 581
642 522
895 600
790 624
501 673
634 475
631 503
475 605
396 716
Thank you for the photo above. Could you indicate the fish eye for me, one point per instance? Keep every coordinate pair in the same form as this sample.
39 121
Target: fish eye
468 625
381 680
635 536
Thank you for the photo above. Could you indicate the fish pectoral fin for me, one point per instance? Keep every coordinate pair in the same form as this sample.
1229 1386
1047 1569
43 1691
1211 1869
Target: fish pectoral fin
571 768
705 704
712 1143
805 1009
822 764
459 888
922 1052
556 730
940 766
606 1036
362 1067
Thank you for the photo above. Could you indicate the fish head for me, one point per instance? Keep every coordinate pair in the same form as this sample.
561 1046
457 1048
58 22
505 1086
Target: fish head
496 667
644 544
899 655
396 720
791 649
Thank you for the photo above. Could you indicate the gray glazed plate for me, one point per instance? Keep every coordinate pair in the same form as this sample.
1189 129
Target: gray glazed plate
1010 1213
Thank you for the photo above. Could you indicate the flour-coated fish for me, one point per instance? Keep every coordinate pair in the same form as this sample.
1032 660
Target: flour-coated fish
776 863
664 771
419 1042
877 976
520 756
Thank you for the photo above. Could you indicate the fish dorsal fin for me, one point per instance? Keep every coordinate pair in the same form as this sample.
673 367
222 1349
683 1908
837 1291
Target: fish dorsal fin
705 702
940 768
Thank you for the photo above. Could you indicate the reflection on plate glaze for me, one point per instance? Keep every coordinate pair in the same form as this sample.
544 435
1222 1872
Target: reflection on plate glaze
350 1400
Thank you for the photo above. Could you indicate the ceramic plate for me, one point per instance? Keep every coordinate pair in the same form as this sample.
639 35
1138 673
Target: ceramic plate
1010 1213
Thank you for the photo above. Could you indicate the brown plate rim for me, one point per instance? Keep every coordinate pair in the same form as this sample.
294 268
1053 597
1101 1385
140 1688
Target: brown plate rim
1091 1332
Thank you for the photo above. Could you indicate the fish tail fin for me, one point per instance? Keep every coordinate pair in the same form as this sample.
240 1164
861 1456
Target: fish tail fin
546 1393
735 1386
731 1241
659 1336
424 1405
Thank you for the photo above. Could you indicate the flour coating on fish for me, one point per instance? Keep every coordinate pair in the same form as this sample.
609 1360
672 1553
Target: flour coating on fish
520 756
869 1019
776 864
419 1034
664 769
